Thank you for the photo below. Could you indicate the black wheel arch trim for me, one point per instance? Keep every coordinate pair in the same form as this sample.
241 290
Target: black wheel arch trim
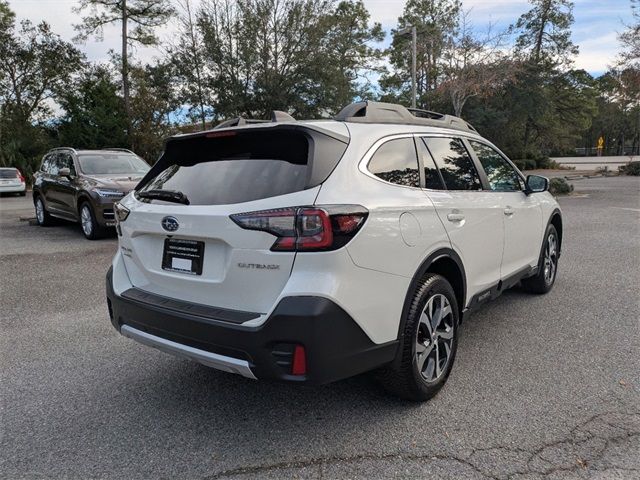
420 272
556 213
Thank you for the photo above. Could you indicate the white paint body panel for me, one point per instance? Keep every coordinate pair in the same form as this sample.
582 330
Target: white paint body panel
478 238
371 276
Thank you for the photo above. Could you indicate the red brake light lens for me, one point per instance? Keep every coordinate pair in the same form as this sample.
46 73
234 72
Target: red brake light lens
306 229
20 176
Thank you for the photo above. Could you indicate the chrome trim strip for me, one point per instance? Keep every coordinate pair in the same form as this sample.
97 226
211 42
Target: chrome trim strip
213 360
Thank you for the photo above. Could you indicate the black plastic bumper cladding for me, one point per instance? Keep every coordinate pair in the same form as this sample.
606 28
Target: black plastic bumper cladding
336 347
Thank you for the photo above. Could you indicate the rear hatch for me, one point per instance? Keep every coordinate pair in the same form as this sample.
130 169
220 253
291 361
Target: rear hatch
9 177
187 247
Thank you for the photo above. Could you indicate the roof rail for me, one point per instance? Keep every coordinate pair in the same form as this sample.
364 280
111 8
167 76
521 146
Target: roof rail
118 150
64 148
379 112
276 116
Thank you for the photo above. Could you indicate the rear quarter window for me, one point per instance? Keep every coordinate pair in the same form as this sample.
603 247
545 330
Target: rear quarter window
395 161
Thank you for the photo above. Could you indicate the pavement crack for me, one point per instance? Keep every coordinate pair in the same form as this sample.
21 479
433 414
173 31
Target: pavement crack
584 445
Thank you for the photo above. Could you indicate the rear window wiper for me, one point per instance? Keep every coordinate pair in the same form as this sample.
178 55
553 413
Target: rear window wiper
165 195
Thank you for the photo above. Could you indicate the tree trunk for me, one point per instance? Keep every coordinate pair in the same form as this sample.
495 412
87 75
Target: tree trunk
196 61
540 35
125 69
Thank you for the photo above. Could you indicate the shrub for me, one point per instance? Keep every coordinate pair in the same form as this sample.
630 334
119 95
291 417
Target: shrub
559 186
631 168
525 164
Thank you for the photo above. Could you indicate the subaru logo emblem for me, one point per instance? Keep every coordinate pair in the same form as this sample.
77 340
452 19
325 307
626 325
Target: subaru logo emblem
170 224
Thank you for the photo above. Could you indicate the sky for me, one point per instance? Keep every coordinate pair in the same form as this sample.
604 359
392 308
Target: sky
597 23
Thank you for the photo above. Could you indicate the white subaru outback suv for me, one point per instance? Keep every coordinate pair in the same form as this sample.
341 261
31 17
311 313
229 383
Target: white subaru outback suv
312 251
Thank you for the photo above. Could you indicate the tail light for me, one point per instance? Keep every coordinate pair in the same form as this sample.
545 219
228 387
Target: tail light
306 229
20 176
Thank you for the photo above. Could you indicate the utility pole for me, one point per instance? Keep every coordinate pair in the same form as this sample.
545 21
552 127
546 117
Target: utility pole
414 47
414 54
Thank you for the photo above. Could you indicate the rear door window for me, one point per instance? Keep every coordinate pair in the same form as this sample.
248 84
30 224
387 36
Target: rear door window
432 178
396 162
454 162
227 167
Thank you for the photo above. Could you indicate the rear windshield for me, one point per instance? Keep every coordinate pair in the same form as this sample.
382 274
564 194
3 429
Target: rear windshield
8 173
111 163
234 167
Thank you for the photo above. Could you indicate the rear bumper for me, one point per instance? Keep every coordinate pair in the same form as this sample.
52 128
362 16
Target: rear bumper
335 346
18 188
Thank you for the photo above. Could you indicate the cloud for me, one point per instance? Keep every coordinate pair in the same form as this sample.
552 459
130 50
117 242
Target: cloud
594 30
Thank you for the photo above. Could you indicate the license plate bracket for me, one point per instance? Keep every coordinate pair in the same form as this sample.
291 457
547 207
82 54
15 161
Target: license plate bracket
183 256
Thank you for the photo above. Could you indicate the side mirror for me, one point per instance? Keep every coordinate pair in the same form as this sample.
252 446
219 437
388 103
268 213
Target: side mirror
536 184
65 172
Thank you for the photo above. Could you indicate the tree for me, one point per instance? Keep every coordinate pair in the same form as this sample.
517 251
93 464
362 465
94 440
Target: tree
153 104
475 66
302 56
146 15
545 33
436 22
94 113
349 39
36 67
630 39
185 54
546 51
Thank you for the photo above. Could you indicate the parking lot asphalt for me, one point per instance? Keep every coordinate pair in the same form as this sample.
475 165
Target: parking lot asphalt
543 386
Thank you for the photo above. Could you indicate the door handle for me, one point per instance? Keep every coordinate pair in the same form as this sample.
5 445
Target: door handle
509 211
455 217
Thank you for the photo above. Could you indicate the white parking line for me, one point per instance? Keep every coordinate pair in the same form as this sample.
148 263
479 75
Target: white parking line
626 208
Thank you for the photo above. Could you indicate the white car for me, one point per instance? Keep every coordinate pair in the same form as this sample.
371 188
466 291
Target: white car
12 181
312 251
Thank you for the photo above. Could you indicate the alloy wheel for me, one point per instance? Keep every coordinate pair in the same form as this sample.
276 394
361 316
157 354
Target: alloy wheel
550 259
434 341
86 220
39 211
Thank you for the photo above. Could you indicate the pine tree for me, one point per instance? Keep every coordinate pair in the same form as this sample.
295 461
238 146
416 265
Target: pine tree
145 15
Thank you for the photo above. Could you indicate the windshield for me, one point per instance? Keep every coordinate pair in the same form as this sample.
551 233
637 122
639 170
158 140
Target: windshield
111 163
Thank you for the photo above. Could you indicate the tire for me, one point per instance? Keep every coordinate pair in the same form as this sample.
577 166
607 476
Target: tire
544 280
42 216
22 194
90 227
420 371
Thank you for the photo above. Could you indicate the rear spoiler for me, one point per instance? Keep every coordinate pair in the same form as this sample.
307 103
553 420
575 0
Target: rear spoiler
276 116
333 144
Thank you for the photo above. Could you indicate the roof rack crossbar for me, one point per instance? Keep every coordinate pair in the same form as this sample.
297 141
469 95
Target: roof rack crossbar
379 112
276 116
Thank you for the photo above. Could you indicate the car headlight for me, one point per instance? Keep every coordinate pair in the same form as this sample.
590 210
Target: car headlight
106 192
121 212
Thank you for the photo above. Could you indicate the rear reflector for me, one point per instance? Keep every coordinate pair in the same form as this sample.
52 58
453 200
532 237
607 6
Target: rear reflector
299 364
306 229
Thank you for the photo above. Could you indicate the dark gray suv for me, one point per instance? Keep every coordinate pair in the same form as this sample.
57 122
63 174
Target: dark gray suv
82 185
